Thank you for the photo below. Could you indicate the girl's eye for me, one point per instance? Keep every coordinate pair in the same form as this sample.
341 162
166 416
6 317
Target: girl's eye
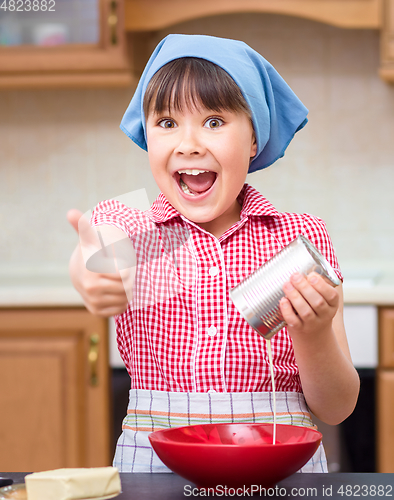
167 123
213 123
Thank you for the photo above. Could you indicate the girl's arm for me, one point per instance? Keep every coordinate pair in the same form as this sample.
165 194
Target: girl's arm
313 311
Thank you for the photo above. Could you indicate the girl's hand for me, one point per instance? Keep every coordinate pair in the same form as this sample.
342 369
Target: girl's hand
309 306
103 293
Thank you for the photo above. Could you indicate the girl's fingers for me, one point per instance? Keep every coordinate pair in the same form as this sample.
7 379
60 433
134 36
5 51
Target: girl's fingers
96 285
119 285
288 313
326 290
310 297
106 311
298 301
111 285
104 295
107 305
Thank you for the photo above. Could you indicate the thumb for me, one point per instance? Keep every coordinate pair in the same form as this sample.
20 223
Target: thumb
73 217
88 236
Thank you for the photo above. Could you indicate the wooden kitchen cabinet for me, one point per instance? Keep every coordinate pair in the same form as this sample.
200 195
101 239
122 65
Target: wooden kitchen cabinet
385 392
102 62
54 379
387 42
151 15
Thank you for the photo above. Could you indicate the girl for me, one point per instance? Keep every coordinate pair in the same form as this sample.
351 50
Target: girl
209 111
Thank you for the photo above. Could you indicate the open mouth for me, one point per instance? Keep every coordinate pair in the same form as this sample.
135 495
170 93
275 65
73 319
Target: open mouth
195 182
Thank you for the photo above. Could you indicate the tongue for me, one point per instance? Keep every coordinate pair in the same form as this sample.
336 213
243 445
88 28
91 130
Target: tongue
199 183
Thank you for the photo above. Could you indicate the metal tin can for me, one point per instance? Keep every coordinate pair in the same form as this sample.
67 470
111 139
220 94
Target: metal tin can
257 297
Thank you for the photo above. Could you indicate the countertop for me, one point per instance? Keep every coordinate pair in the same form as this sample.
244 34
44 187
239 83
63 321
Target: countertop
38 295
53 288
333 485
379 291
32 288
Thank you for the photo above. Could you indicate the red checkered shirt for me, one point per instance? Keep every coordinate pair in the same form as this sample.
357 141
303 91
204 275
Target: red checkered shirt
181 331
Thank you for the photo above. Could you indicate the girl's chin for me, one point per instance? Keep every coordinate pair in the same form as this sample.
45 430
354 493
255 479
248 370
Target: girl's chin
198 215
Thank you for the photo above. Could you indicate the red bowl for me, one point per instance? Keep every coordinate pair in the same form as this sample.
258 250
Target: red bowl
235 455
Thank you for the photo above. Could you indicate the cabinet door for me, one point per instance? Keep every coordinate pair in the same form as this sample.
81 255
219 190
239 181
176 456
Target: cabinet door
385 392
54 380
63 43
385 421
387 41
386 337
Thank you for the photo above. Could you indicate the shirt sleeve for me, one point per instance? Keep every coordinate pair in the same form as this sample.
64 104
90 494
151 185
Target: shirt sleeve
115 213
316 231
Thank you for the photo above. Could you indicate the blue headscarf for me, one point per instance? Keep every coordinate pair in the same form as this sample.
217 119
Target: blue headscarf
277 113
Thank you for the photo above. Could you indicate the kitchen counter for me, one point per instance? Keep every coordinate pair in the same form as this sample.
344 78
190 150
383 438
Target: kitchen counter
64 295
47 287
39 296
334 485
380 293
368 283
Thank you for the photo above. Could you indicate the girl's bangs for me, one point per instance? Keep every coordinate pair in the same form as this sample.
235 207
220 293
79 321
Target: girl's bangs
191 83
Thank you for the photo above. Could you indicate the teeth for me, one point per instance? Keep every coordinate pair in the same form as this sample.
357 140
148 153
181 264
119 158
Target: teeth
192 172
185 189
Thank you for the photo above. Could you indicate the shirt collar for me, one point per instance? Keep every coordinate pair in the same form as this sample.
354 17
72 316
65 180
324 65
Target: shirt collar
252 202
162 210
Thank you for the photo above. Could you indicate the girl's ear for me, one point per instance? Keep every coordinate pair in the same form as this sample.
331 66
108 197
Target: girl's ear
253 148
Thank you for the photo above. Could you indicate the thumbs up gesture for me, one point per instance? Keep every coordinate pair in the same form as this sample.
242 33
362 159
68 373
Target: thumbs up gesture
102 266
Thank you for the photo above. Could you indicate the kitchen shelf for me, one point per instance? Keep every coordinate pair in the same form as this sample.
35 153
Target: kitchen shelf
101 64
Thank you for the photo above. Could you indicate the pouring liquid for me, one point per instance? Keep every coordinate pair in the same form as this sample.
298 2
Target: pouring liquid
273 386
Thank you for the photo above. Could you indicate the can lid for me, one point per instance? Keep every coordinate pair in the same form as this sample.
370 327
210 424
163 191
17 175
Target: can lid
327 270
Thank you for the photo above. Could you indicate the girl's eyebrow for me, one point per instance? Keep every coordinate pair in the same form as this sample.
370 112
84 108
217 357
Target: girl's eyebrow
169 113
163 112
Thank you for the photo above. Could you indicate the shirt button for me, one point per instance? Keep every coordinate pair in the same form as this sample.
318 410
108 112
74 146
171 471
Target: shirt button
212 331
211 391
214 271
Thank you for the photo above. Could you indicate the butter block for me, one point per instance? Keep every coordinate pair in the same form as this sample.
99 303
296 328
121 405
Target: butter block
73 484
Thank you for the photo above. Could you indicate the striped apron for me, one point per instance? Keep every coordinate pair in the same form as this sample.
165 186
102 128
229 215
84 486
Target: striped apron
153 410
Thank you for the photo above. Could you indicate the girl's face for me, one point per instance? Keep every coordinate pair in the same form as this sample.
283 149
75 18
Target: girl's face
199 159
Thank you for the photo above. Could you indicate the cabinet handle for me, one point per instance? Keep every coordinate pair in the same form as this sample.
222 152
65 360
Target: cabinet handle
113 22
93 358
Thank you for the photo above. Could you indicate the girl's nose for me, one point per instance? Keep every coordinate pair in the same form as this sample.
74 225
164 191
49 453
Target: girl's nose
189 144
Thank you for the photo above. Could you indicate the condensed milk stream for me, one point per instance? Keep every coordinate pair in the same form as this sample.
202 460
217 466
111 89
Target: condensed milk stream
273 386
